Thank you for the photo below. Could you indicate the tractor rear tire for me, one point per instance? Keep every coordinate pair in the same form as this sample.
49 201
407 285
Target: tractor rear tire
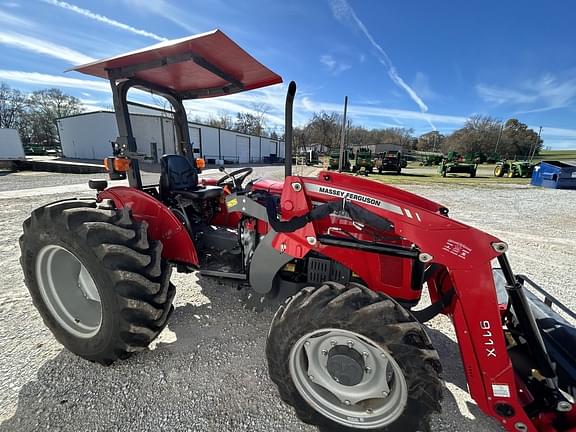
76 254
315 313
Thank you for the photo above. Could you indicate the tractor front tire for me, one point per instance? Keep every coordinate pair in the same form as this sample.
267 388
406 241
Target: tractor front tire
325 341
100 285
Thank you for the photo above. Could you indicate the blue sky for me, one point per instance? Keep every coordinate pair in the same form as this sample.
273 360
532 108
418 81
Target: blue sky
417 64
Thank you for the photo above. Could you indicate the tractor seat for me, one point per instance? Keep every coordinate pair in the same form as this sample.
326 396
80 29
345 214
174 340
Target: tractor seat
179 177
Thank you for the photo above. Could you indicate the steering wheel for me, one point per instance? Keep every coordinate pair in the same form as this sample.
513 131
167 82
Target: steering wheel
238 176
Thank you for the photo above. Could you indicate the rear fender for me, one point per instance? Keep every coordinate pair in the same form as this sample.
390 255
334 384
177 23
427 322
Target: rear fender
163 225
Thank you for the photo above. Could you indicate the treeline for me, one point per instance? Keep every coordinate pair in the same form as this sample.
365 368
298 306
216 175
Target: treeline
34 114
479 134
487 135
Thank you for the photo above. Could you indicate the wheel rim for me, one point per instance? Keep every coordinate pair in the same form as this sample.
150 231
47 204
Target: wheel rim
69 291
374 399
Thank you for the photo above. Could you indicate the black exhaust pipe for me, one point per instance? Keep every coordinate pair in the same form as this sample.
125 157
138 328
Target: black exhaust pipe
288 129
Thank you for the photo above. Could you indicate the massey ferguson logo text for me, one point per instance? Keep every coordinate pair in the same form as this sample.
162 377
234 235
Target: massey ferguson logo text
350 195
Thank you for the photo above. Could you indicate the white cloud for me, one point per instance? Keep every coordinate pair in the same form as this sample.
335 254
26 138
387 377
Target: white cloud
103 19
344 12
333 66
273 98
53 80
543 94
165 10
16 21
43 47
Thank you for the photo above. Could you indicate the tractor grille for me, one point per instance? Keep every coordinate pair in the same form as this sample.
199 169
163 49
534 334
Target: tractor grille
321 270
339 273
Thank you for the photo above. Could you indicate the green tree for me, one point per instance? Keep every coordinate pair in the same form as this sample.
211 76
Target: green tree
518 140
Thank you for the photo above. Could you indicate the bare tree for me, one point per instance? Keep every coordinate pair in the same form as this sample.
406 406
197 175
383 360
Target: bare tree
45 106
13 104
223 120
260 110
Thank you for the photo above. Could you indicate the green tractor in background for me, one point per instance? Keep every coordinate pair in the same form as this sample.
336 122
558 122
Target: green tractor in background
334 160
493 158
432 159
475 157
515 168
454 163
364 161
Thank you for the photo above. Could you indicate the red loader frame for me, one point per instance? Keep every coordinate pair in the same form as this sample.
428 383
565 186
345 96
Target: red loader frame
416 241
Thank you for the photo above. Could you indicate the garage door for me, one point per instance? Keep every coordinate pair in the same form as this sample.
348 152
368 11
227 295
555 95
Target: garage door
243 149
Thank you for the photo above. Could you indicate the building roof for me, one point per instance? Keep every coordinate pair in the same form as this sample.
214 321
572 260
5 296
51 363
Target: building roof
205 65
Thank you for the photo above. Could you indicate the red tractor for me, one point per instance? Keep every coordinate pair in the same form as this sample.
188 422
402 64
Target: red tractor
347 349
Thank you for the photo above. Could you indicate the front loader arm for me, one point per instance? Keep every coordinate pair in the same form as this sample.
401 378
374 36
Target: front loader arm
463 253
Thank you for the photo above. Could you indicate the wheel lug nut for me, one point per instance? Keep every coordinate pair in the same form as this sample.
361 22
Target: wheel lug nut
307 343
350 344
385 393
367 369
347 403
333 342
369 411
311 377
324 352
365 354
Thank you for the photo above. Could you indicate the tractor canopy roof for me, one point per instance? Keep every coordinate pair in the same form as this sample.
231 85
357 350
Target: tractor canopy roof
205 65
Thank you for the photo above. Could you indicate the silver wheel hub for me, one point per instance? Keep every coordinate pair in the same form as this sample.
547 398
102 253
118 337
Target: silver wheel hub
69 291
348 378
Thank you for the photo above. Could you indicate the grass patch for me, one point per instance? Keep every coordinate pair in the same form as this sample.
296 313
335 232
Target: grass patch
557 155
429 175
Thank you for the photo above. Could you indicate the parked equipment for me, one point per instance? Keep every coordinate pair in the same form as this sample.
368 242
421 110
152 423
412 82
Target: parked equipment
390 161
454 164
514 168
334 160
348 351
431 159
364 161
312 157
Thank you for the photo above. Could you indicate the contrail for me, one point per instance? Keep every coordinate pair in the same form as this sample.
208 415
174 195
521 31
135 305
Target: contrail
342 10
103 19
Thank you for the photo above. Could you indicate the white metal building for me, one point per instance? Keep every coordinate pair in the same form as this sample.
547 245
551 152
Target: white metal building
89 136
11 145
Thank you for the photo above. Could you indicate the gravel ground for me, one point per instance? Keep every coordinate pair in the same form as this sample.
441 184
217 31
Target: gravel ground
207 371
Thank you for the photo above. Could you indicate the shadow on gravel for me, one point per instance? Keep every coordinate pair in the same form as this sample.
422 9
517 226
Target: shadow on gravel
207 373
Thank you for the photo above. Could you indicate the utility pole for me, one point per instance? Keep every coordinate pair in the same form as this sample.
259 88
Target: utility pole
343 136
536 144
498 140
